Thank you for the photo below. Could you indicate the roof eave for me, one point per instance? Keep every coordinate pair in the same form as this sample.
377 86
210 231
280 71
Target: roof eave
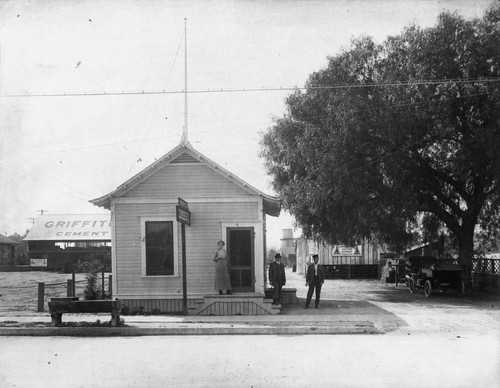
272 206
104 201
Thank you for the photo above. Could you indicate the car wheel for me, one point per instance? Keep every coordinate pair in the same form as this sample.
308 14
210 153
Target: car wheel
427 288
461 289
411 285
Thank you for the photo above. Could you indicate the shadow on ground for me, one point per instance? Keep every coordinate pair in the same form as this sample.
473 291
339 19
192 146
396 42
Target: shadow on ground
346 310
475 300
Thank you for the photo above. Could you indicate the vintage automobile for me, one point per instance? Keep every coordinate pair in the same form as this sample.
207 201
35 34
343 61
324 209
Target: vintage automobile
429 273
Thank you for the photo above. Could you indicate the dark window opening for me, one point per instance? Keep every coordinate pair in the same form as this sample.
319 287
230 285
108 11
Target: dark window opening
159 248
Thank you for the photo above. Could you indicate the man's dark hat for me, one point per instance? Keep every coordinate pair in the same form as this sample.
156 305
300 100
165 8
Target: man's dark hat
277 256
315 256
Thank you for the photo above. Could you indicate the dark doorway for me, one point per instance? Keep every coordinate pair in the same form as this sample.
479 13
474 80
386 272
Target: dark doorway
240 249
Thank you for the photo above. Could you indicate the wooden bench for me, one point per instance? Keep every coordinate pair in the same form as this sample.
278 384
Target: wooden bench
58 307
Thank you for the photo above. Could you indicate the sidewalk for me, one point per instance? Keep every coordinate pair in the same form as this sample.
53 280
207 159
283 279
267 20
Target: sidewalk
294 319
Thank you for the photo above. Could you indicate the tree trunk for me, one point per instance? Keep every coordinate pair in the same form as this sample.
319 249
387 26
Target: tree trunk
466 253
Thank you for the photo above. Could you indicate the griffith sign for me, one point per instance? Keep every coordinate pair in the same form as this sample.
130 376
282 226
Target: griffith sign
71 227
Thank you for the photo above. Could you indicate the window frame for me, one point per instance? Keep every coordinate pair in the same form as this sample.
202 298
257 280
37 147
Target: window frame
175 243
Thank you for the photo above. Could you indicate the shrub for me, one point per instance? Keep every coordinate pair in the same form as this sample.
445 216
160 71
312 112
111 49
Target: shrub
92 289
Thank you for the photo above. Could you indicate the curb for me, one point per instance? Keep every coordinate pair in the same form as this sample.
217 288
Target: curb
127 331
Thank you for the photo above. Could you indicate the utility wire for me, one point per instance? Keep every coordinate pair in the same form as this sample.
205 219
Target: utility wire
399 150
395 106
227 129
156 109
262 89
59 182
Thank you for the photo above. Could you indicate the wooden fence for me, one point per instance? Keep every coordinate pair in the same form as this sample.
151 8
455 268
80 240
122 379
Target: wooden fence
486 275
68 289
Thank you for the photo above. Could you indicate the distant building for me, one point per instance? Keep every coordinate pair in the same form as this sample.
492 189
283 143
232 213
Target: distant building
57 242
349 261
288 247
7 250
435 249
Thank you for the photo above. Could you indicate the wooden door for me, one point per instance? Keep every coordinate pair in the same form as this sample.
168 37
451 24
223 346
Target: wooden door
240 249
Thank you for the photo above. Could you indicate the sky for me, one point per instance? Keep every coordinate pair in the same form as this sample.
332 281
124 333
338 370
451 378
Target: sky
59 152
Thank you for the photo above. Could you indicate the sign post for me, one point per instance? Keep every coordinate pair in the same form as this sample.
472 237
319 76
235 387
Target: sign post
184 217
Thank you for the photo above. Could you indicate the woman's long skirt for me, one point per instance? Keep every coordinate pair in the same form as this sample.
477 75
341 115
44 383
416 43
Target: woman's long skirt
222 281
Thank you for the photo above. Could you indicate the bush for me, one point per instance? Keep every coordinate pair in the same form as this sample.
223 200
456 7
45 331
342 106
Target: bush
93 289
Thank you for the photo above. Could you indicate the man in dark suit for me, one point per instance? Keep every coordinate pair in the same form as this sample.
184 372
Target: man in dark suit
315 278
277 277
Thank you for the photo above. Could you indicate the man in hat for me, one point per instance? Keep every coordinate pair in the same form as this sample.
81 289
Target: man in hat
315 278
277 277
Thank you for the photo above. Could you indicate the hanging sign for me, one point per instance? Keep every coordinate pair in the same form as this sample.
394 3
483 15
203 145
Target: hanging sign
183 204
183 216
38 262
183 213
344 250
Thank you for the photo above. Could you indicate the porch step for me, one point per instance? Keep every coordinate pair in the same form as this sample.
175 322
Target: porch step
275 308
236 304
288 295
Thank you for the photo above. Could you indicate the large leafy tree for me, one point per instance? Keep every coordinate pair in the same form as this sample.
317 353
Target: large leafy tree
392 136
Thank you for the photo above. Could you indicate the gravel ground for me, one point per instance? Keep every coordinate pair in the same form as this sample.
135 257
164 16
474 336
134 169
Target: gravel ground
396 308
392 308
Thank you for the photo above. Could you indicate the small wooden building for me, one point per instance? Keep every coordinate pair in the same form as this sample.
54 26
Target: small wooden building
146 259
7 250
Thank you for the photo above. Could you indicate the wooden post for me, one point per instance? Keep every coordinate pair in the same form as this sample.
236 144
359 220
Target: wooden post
74 283
102 281
69 288
110 286
184 275
41 297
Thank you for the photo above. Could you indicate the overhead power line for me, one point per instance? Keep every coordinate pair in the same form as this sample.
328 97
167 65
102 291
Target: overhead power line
262 89
156 109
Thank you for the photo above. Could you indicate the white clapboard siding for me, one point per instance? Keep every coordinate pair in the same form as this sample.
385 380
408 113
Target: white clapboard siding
186 180
201 244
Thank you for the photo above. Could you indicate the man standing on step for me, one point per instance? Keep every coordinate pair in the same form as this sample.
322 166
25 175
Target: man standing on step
277 277
315 278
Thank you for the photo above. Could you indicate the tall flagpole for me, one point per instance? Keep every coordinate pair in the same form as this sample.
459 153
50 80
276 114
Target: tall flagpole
184 141
185 131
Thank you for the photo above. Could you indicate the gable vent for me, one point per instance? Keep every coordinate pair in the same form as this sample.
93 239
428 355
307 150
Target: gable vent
185 158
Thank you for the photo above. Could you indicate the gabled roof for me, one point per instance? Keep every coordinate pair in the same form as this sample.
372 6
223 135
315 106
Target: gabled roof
183 153
4 240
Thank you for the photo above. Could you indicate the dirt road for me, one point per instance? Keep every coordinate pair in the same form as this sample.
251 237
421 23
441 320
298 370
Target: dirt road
400 311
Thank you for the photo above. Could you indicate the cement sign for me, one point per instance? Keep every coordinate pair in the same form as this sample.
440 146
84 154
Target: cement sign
71 227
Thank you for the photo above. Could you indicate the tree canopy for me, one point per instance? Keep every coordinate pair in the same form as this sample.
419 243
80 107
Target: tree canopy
391 136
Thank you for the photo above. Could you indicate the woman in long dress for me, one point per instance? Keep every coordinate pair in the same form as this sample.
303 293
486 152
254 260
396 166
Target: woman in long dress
222 281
